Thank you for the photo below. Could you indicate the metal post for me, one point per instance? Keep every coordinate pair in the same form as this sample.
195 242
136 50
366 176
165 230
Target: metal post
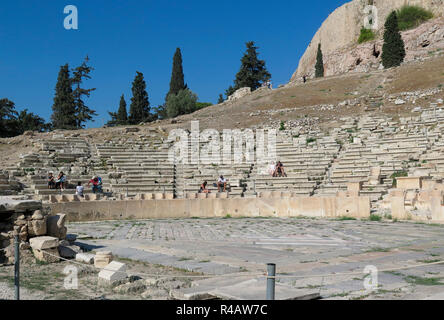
271 281
17 268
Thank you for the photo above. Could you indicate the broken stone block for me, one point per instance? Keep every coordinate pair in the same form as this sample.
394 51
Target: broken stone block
71 237
37 215
69 252
85 257
138 286
102 259
41 243
10 205
50 255
37 227
113 272
56 226
24 246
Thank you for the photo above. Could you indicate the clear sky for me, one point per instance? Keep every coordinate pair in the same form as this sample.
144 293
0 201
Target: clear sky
125 36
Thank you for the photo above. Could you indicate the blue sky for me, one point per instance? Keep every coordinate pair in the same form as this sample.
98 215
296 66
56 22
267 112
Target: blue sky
122 37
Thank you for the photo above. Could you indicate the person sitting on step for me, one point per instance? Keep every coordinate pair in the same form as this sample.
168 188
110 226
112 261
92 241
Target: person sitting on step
96 184
222 182
79 190
203 188
61 181
51 181
280 171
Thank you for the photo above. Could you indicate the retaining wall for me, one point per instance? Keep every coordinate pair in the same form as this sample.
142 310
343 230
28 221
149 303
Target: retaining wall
358 207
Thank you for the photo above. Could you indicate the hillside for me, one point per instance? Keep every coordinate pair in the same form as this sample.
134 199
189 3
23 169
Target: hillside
339 33
324 100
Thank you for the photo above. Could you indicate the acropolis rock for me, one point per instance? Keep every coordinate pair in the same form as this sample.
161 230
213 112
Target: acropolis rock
341 31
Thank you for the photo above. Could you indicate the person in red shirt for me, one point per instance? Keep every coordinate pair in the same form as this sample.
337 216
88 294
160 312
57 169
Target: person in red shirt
96 184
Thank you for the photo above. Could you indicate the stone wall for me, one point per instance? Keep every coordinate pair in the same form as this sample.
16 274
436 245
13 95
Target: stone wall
211 208
342 28
27 219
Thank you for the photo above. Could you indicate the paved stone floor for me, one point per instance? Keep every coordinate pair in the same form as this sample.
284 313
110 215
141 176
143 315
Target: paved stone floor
299 247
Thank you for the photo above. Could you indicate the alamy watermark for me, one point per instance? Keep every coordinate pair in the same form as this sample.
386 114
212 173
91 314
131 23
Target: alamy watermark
71 281
371 17
236 147
371 281
71 21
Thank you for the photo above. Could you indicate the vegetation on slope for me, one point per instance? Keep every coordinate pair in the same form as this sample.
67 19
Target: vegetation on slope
412 16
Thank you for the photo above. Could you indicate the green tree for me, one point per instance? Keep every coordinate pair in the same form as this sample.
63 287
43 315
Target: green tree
177 82
121 116
7 117
28 121
221 99
140 105
393 49
160 112
183 102
83 113
13 123
64 107
319 67
252 72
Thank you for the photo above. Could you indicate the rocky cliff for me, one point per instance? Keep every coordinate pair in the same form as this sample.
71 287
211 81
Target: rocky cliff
339 33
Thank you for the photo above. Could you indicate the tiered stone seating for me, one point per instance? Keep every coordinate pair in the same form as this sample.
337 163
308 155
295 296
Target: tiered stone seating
143 169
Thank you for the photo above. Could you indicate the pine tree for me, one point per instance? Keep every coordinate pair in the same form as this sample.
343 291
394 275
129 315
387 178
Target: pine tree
393 50
122 115
221 99
319 68
7 117
64 108
252 71
140 106
83 113
177 82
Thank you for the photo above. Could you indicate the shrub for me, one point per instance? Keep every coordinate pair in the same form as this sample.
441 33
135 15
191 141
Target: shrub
375 217
310 140
282 127
366 35
412 16
183 102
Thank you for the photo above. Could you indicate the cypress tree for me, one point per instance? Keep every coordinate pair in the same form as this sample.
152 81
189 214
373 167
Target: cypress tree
319 68
83 113
122 115
64 108
140 106
393 50
252 71
221 99
177 82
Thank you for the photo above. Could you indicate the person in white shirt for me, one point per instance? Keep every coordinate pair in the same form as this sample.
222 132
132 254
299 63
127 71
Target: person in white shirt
79 189
272 169
222 182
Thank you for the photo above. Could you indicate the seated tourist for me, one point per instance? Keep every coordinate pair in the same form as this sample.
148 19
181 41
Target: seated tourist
96 184
79 189
51 181
272 169
280 171
61 181
203 188
222 182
